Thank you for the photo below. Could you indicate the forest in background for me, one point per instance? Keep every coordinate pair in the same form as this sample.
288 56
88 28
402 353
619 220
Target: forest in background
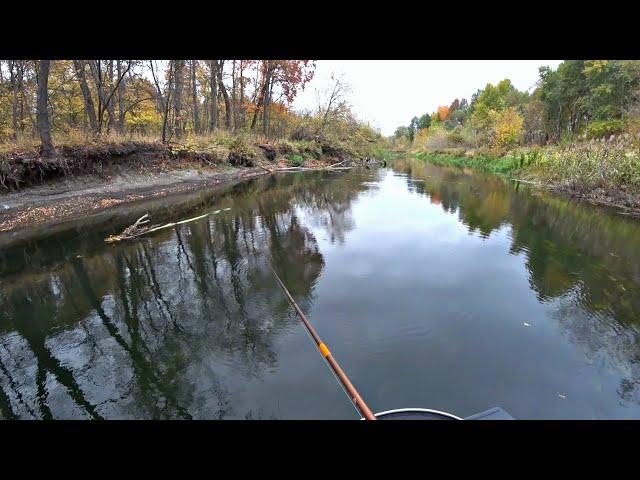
200 104
581 99
580 126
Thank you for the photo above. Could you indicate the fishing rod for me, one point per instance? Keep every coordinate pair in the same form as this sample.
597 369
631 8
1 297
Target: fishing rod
354 396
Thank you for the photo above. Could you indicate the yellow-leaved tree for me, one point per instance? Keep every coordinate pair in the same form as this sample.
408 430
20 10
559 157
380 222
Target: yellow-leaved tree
421 137
508 127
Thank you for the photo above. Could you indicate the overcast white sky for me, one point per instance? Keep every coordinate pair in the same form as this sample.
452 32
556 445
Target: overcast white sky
388 93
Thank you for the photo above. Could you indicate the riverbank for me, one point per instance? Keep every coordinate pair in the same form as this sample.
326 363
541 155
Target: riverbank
603 173
73 197
85 179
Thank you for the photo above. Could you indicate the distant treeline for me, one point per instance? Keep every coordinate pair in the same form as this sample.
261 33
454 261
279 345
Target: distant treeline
580 99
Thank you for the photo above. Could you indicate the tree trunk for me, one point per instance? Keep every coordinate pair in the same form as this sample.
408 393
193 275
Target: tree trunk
111 106
213 105
14 103
163 103
86 94
242 108
227 101
260 102
194 96
166 102
22 92
178 72
267 99
26 94
234 106
96 73
121 98
44 127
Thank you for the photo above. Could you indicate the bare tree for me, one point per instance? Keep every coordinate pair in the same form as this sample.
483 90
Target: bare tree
213 104
234 105
332 100
121 98
227 101
105 92
164 98
194 96
111 106
44 126
79 66
241 110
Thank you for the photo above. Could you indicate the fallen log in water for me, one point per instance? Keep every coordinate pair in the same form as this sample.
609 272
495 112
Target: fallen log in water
525 181
135 230
307 169
334 166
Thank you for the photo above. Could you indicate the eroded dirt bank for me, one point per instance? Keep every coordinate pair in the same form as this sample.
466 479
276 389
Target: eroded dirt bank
86 179
73 197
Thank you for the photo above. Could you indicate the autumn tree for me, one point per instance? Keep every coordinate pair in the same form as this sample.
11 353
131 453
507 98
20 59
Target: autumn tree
493 99
443 113
285 75
508 127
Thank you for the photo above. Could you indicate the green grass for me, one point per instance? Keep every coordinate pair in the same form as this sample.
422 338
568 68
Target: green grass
503 165
613 165
383 154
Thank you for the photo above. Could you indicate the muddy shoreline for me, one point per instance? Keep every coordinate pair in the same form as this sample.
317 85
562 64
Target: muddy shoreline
620 202
75 197
621 199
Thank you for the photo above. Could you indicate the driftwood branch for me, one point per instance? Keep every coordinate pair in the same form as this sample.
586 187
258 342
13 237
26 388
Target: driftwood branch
136 230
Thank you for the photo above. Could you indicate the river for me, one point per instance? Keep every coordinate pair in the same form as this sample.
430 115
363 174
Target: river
433 287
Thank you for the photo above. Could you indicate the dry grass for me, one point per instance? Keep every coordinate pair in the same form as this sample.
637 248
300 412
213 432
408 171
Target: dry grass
78 138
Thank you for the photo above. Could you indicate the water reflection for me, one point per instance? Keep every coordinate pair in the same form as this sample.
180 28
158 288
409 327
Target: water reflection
587 260
144 330
420 277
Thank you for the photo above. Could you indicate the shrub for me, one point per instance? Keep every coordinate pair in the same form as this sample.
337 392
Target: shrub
604 128
455 138
296 160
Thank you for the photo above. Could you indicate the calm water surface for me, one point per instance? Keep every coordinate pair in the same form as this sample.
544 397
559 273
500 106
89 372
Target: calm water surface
433 287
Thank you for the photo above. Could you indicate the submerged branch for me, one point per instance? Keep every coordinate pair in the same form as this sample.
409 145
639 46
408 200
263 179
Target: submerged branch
135 230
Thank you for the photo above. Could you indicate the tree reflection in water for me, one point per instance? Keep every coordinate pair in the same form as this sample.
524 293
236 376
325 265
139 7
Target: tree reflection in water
189 322
586 260
151 328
